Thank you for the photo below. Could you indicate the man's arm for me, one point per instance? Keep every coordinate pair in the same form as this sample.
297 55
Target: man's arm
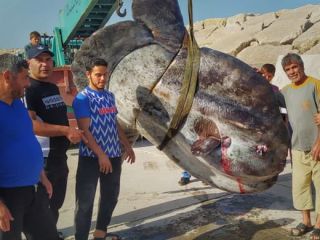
316 146
46 183
52 130
129 155
104 161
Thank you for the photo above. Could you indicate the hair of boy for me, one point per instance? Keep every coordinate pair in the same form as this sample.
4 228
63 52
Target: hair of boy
96 62
34 34
270 68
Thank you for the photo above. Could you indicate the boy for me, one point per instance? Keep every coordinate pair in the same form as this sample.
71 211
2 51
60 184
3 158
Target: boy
35 38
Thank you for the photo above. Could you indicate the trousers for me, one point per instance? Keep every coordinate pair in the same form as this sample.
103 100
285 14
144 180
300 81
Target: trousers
87 178
29 207
305 171
58 176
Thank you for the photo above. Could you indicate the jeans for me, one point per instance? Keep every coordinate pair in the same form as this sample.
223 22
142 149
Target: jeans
86 183
29 207
58 176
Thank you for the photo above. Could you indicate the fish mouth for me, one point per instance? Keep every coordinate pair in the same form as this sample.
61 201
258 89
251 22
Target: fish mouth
209 137
203 147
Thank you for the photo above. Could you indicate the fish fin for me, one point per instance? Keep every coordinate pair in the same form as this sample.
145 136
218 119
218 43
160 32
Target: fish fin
164 19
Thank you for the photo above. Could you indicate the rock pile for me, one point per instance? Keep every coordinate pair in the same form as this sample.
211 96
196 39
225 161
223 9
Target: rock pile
260 38
15 51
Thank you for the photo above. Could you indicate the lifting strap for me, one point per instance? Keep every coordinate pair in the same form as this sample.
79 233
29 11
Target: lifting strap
189 84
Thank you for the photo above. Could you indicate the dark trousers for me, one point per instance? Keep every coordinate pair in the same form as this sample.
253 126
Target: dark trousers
29 207
58 176
86 183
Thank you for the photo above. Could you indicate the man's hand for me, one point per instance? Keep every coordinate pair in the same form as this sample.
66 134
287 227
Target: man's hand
316 150
105 165
129 155
75 135
46 183
5 217
317 119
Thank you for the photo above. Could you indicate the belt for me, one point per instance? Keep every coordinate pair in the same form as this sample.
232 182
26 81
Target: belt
32 187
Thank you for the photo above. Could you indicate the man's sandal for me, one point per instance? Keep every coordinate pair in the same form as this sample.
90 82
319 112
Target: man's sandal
109 236
315 234
301 229
112 236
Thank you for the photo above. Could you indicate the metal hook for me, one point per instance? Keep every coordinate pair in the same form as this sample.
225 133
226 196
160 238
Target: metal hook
121 14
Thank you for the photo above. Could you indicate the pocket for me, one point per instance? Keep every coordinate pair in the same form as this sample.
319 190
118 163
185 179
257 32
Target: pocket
41 197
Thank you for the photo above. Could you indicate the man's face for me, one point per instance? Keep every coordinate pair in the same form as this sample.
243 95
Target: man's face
18 82
295 72
40 67
97 77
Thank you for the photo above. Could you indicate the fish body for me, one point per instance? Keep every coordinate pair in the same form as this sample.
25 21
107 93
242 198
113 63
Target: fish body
233 137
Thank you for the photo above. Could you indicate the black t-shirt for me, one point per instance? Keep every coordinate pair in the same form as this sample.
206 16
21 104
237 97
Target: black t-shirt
44 99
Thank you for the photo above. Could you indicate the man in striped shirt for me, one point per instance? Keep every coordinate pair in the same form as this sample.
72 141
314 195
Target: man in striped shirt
101 157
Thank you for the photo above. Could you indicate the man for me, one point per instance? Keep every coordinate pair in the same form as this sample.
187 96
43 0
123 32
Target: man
45 104
302 101
22 198
100 157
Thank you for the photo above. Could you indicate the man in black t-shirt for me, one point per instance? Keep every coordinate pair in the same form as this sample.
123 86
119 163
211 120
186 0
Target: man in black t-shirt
49 115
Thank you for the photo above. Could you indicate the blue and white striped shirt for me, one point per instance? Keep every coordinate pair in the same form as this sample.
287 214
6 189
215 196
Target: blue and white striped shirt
100 107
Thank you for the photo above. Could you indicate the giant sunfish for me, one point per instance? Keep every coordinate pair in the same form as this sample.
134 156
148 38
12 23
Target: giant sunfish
233 137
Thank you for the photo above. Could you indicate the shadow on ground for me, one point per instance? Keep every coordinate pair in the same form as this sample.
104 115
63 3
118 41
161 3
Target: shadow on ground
218 216
142 142
227 217
223 217
249 230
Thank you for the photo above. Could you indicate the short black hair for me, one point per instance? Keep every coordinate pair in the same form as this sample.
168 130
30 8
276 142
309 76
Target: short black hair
270 68
291 58
34 34
12 63
96 62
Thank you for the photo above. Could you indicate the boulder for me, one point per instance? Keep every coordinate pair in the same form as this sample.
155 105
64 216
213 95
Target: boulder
256 56
287 27
308 39
314 50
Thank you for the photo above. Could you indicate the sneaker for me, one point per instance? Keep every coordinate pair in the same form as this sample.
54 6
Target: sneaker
186 174
184 181
60 236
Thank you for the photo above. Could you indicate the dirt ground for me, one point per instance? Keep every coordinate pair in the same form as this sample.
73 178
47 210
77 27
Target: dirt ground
152 205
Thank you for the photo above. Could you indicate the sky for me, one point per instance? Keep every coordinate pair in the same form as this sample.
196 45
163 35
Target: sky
19 17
